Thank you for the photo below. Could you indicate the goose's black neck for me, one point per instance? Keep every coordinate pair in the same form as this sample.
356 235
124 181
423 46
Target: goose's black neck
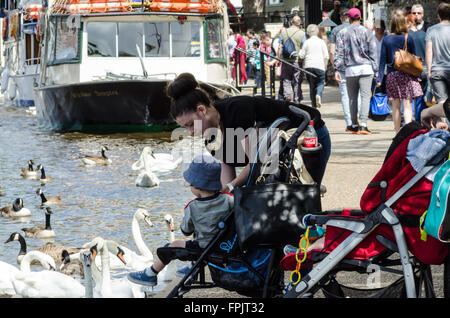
42 173
103 154
47 221
43 198
23 246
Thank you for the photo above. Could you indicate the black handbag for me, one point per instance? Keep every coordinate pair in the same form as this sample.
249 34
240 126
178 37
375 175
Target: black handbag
271 214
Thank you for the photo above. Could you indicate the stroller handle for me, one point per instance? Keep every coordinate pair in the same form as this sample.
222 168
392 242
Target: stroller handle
292 142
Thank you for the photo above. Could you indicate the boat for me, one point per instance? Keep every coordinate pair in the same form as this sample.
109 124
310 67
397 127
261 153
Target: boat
106 64
21 52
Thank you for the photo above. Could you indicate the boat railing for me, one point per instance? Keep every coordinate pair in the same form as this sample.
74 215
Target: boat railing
124 76
32 61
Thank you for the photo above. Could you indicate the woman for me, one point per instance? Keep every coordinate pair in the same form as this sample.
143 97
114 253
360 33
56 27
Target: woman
315 53
242 56
399 85
193 109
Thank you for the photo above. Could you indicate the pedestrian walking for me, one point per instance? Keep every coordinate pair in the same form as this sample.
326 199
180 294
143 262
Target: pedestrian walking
356 55
292 77
315 55
437 54
400 87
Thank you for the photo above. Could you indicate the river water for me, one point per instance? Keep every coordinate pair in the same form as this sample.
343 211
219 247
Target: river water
97 201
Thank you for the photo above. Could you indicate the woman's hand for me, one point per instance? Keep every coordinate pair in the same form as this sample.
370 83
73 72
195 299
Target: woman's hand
338 77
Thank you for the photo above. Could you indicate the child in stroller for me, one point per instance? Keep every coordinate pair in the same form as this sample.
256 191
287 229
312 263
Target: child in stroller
200 215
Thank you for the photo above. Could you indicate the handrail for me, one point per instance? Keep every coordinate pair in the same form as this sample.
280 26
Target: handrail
276 58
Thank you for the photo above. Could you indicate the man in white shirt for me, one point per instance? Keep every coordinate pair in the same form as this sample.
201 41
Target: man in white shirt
417 10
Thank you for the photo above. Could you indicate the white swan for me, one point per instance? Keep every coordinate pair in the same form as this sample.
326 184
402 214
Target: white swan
168 273
46 283
160 162
104 286
7 274
134 260
146 177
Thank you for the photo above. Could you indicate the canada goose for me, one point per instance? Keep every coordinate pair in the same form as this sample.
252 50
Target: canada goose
146 177
43 178
50 200
157 162
71 267
105 287
16 210
46 283
50 249
96 160
40 231
29 172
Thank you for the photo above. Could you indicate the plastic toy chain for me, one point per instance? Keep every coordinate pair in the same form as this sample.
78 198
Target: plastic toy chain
302 247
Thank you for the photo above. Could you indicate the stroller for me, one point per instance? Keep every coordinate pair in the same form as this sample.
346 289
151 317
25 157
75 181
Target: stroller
368 239
245 254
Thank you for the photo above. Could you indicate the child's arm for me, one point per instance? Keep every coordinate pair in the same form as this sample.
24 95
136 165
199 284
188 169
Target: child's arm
187 227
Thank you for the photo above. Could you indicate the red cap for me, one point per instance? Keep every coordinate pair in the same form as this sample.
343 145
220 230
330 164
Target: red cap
311 122
354 13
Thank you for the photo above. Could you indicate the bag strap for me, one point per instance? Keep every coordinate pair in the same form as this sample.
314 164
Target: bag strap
405 47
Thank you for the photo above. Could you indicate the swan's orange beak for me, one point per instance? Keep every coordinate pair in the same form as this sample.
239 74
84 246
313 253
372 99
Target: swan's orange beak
94 252
120 256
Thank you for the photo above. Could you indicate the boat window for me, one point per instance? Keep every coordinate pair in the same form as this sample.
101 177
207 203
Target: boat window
66 42
102 39
157 39
185 39
214 50
130 35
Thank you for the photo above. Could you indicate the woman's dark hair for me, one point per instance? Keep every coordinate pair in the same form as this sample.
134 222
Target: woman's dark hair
186 95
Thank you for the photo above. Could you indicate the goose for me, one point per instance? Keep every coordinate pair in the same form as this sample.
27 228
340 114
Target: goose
40 231
96 160
50 200
43 178
158 162
17 210
50 249
29 172
146 177
46 283
105 287
71 266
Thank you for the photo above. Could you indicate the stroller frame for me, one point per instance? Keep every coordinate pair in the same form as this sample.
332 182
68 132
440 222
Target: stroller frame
361 228
196 279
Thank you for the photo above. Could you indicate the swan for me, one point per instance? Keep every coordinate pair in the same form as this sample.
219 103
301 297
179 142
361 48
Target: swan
46 283
160 162
145 258
43 178
105 287
48 201
168 272
29 172
40 231
96 160
16 210
146 177
7 274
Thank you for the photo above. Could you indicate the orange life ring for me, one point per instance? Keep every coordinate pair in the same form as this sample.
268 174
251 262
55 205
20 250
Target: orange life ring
4 27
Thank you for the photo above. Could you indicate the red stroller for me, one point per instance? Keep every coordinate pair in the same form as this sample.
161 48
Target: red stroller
388 222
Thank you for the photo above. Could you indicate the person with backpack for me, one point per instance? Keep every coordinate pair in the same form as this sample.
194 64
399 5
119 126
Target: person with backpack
291 44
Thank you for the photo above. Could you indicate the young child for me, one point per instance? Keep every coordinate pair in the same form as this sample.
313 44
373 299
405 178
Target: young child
257 63
201 215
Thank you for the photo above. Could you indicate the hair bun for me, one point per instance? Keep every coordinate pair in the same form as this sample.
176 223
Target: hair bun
183 84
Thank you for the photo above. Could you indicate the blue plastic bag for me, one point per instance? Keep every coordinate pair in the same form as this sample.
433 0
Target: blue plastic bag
379 107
